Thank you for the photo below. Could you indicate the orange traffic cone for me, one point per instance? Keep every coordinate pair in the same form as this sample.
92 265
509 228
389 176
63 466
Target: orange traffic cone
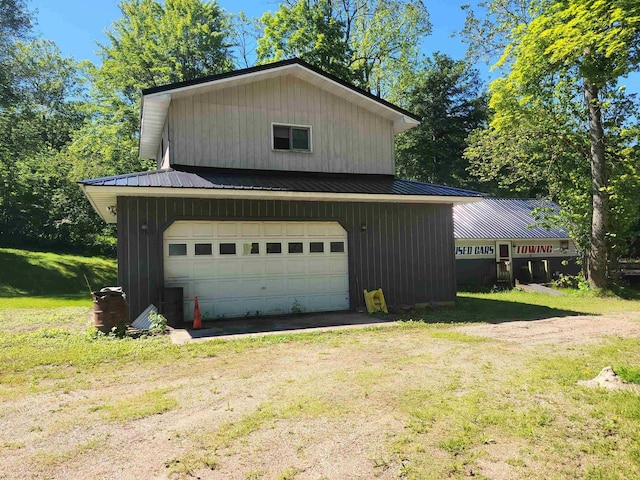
197 320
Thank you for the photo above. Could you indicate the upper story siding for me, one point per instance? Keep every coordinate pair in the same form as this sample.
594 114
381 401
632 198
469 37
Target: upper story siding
232 128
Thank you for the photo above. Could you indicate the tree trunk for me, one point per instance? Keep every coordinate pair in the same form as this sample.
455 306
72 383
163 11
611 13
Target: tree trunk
598 253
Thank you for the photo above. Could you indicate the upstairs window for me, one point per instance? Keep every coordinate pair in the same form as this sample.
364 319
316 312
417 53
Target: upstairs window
292 137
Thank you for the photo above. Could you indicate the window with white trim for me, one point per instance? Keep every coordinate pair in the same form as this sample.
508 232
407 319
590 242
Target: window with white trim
291 137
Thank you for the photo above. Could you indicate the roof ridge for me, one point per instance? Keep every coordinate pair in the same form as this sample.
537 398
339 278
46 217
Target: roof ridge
281 63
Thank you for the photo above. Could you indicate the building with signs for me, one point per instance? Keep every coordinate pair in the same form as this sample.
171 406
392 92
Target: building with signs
497 240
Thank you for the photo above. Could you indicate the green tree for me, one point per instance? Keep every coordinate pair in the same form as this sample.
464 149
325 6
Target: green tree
153 43
554 48
15 25
307 31
372 43
45 111
447 94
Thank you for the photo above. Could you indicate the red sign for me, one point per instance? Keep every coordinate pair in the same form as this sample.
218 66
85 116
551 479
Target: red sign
533 249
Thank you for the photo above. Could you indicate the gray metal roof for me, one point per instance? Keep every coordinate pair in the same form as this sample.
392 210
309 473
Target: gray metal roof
507 218
201 178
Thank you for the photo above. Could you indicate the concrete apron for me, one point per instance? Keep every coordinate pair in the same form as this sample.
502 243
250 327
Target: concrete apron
278 325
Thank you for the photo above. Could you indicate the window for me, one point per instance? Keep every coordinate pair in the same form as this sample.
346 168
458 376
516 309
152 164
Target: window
337 247
227 249
295 247
203 249
292 137
251 248
177 249
274 248
316 247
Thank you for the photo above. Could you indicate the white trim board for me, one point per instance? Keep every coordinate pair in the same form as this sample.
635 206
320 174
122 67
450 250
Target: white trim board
103 197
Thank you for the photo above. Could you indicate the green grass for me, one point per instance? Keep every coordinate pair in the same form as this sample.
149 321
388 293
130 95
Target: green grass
38 274
152 402
455 396
517 305
22 303
628 373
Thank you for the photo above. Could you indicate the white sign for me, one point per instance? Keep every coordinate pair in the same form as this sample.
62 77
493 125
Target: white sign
465 251
533 249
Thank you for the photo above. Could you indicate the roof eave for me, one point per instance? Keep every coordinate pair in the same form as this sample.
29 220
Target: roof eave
103 198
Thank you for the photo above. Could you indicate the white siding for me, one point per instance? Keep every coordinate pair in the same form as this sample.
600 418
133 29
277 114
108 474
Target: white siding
231 128
162 157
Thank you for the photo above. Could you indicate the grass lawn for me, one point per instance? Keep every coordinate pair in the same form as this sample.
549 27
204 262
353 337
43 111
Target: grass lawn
417 399
25 273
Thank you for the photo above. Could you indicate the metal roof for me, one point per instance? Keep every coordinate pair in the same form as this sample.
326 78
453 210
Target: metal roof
270 66
218 179
507 218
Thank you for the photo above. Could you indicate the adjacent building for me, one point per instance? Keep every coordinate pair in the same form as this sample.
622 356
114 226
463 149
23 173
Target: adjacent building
499 240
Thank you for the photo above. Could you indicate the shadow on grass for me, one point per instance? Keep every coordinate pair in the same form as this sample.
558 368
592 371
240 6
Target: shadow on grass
466 310
24 273
474 310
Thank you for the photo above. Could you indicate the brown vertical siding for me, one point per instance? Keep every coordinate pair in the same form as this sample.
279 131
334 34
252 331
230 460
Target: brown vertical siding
407 250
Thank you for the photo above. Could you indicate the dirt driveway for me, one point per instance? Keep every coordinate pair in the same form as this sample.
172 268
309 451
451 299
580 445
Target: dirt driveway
560 330
390 402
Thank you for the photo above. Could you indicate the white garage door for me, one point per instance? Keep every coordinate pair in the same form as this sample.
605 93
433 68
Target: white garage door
239 269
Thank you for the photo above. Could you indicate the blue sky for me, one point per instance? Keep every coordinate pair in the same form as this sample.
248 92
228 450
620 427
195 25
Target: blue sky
76 26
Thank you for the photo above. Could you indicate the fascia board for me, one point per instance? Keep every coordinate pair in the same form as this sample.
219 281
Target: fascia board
108 196
512 239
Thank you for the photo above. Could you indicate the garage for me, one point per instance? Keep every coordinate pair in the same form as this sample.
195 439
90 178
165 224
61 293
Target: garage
252 268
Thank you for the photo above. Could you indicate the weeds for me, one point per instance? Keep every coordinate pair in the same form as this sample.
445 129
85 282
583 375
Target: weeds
152 402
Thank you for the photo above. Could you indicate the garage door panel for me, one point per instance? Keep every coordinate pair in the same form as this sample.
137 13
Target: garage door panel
335 230
326 284
253 306
229 267
207 307
253 287
179 230
252 280
227 308
178 270
273 267
337 264
229 288
317 265
297 285
253 267
205 289
272 229
277 305
274 286
336 283
203 230
297 266
317 229
339 302
227 229
295 229
251 229
204 269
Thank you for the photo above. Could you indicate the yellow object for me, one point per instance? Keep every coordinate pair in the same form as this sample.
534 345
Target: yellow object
375 301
